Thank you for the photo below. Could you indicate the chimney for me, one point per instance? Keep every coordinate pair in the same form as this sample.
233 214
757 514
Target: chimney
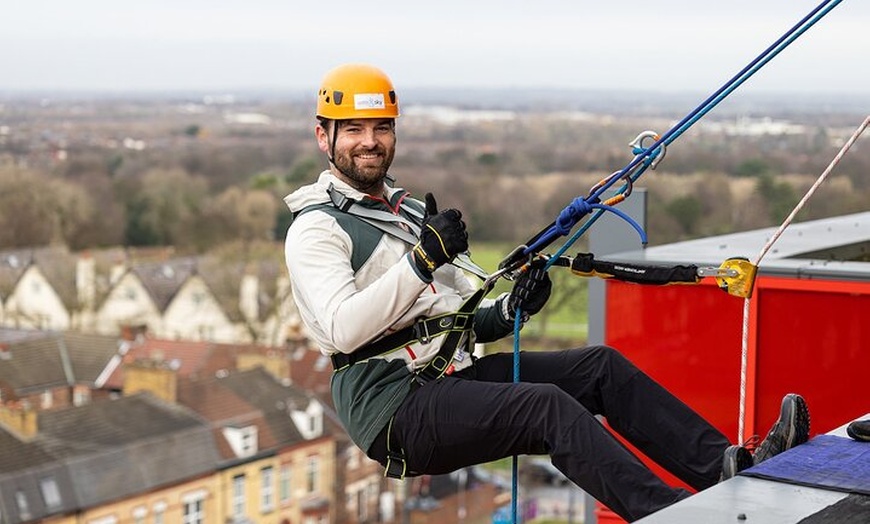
86 281
20 418
158 377
273 363
249 290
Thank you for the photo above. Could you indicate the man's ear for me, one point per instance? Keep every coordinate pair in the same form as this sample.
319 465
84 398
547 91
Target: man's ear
322 138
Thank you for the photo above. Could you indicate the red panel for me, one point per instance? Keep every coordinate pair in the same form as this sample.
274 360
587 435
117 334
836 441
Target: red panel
688 338
812 338
817 343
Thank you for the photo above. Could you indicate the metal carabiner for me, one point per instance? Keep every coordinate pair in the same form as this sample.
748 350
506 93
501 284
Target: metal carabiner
637 147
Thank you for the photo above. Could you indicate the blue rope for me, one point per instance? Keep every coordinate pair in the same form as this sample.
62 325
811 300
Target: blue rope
574 212
515 460
581 207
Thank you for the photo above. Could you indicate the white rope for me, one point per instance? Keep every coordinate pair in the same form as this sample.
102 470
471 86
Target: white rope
745 345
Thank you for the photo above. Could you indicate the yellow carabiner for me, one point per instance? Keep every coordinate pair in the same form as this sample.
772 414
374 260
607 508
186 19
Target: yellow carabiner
742 279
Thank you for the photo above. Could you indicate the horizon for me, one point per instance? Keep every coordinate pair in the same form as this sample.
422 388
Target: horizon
268 45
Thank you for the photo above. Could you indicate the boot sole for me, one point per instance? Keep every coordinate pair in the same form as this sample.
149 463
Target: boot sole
794 410
735 460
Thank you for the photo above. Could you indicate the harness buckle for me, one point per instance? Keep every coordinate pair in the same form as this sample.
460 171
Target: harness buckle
339 199
396 467
421 331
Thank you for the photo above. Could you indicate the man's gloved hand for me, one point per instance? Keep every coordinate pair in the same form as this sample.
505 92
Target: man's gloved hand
530 292
442 237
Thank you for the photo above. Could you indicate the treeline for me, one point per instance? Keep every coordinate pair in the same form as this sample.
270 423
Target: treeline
200 184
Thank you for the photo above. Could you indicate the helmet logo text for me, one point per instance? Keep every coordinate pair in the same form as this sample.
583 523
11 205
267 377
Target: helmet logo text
368 101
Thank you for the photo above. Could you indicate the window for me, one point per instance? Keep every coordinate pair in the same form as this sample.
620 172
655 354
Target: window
50 493
267 490
108 519
284 483
243 440
23 507
249 441
193 512
352 458
46 400
159 513
310 420
139 514
238 500
362 506
81 396
313 467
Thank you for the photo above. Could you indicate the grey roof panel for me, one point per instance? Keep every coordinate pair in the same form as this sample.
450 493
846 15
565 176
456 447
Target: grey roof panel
117 422
45 359
814 249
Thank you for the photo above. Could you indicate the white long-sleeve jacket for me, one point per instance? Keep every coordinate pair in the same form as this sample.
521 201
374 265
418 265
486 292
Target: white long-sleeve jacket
354 284
345 307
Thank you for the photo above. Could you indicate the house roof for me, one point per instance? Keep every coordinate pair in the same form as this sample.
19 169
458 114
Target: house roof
116 422
12 266
273 399
55 263
836 247
112 449
44 359
163 279
248 398
194 359
223 408
8 335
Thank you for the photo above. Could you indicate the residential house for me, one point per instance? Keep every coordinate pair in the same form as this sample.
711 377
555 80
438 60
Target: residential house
276 458
201 298
116 291
139 296
240 447
107 462
37 288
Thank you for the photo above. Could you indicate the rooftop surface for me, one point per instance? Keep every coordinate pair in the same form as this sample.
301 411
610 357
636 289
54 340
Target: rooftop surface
826 248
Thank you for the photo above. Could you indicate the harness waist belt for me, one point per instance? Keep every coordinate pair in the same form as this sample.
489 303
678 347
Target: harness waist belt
423 331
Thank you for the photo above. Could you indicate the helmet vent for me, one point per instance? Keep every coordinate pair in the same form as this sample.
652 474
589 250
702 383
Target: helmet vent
337 96
392 97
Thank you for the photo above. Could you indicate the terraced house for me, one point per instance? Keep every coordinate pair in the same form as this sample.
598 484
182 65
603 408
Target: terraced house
118 291
236 446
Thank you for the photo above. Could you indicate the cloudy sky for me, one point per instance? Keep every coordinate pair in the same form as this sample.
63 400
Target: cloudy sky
665 45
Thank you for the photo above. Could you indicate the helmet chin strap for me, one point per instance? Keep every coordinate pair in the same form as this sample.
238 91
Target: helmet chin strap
331 153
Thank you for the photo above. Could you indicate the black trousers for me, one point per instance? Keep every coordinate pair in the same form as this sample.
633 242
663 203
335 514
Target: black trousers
478 415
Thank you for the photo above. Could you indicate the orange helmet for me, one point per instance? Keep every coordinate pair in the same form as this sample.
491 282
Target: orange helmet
356 91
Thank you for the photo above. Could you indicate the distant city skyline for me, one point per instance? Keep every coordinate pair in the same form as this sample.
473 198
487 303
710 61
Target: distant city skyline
219 45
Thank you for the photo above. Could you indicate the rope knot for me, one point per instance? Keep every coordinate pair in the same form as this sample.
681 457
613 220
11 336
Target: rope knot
572 214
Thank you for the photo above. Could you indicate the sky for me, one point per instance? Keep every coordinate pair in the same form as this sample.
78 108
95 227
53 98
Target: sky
224 46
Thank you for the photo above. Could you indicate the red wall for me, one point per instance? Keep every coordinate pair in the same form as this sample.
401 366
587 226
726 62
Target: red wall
806 336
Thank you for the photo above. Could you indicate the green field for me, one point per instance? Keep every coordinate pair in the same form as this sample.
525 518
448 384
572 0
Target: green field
563 322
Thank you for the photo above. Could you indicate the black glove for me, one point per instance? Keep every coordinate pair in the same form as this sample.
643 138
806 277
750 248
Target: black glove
442 237
531 291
